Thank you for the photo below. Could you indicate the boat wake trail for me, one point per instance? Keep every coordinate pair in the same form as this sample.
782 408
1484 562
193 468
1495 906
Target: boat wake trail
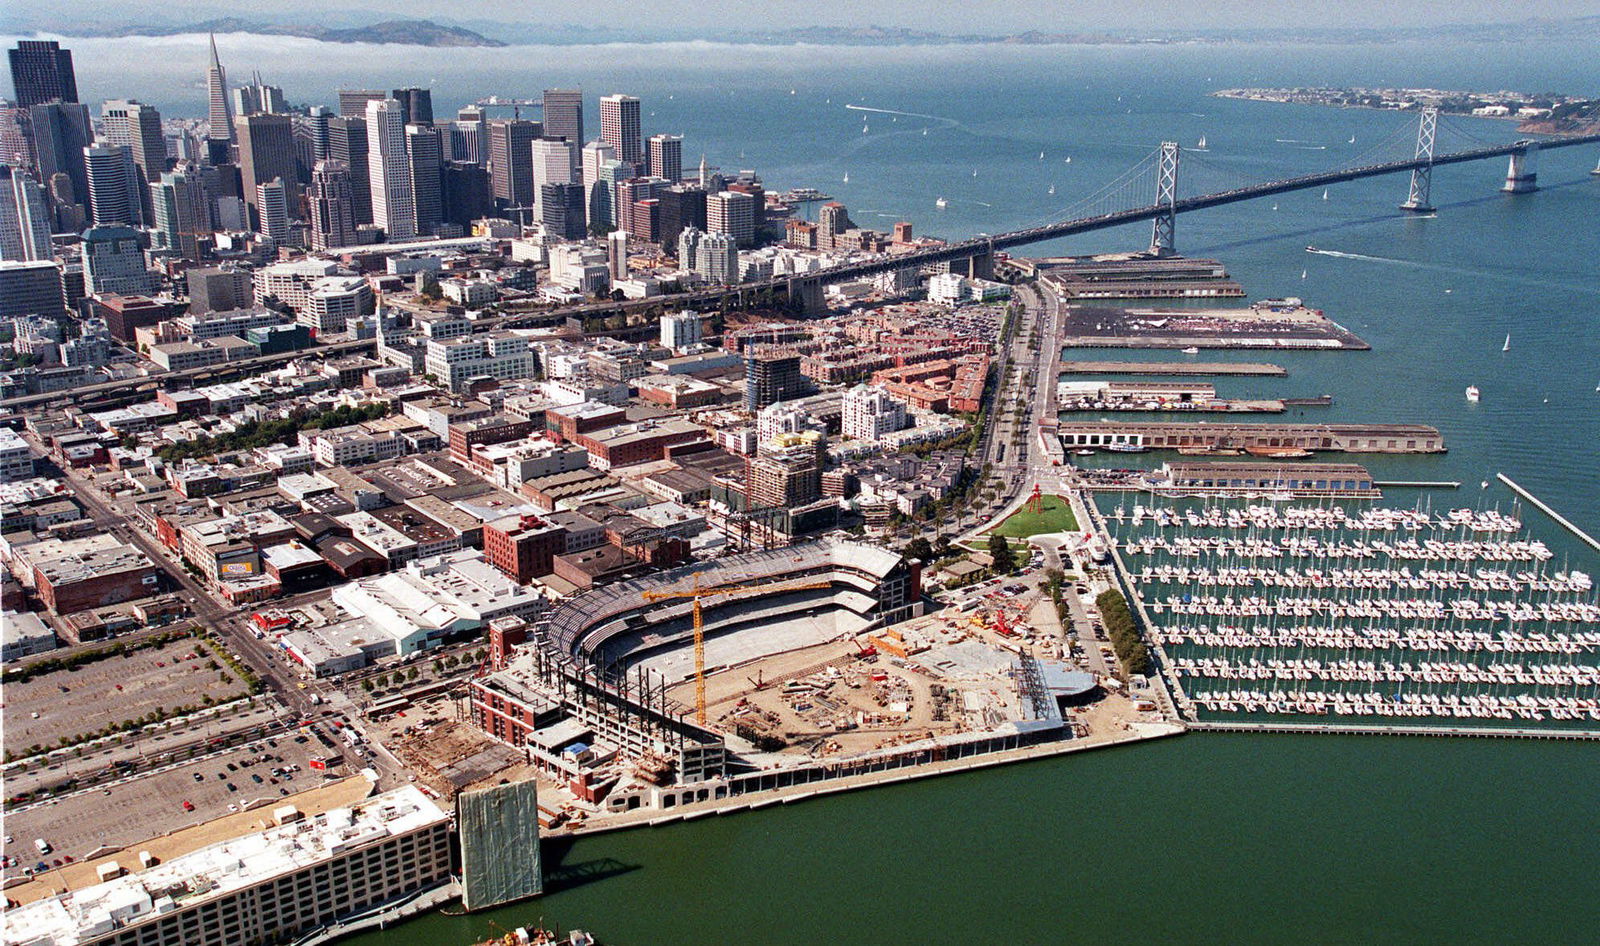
891 111
1363 256
1499 276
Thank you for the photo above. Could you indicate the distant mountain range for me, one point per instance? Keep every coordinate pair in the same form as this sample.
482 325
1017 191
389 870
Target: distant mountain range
64 21
402 32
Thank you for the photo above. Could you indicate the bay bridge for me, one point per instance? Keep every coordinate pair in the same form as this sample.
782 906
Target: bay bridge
1147 191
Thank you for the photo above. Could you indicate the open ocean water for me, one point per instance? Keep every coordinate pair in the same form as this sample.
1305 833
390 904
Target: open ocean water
1211 837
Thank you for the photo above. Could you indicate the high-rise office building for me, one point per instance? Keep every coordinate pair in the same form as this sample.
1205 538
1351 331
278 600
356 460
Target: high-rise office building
426 159
465 193
680 330
596 155
317 121
273 211
41 71
16 136
563 117
511 160
24 217
683 205
394 204
469 139
416 105
61 130
31 288
353 102
617 254
113 262
717 259
561 210
221 118
137 125
666 157
628 193
619 127
182 211
258 98
732 213
552 164
333 221
219 289
347 142
114 186
266 153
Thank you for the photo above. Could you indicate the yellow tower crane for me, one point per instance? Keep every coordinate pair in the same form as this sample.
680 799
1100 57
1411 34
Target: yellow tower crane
698 593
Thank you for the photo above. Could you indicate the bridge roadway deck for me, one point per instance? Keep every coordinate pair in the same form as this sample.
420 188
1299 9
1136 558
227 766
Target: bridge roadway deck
964 249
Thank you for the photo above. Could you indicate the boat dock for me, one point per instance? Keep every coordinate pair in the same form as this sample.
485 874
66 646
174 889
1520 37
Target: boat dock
1548 511
1196 368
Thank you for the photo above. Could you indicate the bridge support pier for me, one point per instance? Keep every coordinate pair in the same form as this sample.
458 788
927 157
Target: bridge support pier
1420 198
974 267
1522 177
1164 230
805 296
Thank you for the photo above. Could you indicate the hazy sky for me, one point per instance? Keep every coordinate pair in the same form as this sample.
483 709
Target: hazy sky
944 15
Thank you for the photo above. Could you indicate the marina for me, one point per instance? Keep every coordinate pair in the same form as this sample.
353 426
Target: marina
1372 613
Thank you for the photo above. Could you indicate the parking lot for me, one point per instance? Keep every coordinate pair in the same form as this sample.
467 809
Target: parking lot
152 805
69 703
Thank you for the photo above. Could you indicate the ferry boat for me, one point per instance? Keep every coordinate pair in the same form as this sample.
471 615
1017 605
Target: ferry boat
1125 448
1472 393
1191 350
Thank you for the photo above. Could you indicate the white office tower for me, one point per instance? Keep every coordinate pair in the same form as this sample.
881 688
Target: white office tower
689 247
733 213
619 127
617 253
552 164
870 413
717 259
273 206
394 205
666 156
24 218
182 211
680 330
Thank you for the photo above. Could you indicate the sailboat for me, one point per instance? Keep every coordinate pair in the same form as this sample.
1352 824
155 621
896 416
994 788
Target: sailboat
1324 193
847 177
1303 273
924 132
1201 146
865 129
1041 156
974 172
1507 345
1352 139
1052 188
1069 159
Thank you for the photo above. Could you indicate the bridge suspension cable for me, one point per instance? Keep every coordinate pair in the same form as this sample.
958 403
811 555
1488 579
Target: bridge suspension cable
1134 187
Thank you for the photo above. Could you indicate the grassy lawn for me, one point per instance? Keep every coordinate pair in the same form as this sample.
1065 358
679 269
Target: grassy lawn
1055 516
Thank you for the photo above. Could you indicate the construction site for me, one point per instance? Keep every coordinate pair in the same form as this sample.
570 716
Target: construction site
776 669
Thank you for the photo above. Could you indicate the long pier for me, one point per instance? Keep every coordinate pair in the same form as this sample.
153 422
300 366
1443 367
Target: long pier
1175 368
1558 517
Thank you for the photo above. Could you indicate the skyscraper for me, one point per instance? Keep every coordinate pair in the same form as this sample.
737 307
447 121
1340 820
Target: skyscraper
469 138
259 98
273 213
16 136
41 71
60 133
561 210
332 206
597 200
114 185
619 127
551 159
511 161
132 123
771 376
347 142
426 161
563 117
24 217
394 204
182 211
416 105
317 120
666 157
465 192
266 153
353 102
732 213
221 117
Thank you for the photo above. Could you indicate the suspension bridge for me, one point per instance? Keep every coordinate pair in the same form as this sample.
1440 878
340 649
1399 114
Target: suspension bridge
1150 191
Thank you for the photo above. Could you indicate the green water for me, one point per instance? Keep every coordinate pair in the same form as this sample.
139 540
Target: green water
1214 838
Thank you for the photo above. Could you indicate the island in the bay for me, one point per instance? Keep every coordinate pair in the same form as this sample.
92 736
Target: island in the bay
1541 113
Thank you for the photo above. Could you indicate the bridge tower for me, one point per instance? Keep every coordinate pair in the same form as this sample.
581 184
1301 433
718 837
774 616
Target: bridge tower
805 296
1522 177
1421 196
1163 234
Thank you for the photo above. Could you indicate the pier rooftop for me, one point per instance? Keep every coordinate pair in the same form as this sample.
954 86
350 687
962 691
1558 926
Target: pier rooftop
1271 323
1348 438
1186 368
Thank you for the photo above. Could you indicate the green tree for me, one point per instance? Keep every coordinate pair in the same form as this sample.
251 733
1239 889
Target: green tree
1005 560
919 548
412 674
